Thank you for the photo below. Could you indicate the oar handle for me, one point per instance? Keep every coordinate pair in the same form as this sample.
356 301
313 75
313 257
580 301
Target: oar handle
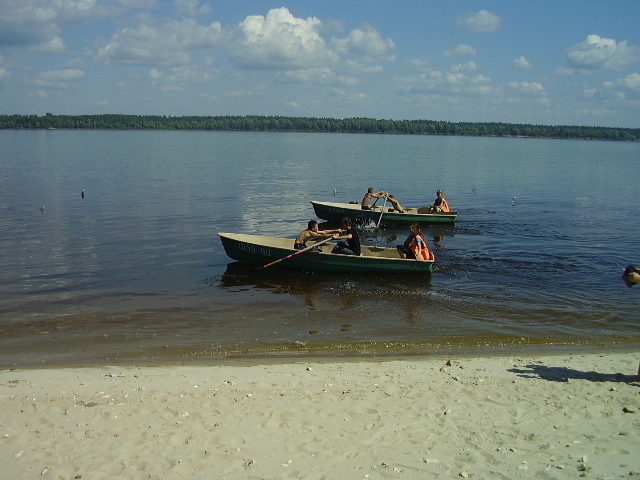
297 252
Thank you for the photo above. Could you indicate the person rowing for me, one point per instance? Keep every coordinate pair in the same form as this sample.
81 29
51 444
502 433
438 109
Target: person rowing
313 233
364 205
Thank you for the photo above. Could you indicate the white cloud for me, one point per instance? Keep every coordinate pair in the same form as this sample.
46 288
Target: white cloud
625 88
38 23
630 82
447 83
528 88
55 45
419 65
468 67
597 53
521 63
482 21
366 44
5 74
41 94
74 63
56 78
61 75
460 50
324 76
191 8
166 43
279 41
178 77
257 90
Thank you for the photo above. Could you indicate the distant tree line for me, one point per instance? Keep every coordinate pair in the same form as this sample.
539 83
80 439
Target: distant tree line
310 124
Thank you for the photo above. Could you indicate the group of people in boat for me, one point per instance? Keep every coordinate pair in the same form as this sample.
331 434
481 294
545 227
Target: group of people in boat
440 204
414 247
347 232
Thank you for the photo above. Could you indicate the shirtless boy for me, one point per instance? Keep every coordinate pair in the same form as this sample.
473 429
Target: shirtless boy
368 196
312 233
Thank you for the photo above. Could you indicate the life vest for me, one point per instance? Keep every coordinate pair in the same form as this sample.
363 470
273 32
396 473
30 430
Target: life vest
425 254
444 206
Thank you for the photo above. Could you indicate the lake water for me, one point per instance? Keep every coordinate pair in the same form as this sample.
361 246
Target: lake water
134 270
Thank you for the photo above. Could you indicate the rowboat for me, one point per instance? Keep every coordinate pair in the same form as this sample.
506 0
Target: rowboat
380 214
263 250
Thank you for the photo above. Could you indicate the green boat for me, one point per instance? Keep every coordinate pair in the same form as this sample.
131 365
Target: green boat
262 250
380 214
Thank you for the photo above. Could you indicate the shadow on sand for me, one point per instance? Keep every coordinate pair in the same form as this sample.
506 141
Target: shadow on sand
564 374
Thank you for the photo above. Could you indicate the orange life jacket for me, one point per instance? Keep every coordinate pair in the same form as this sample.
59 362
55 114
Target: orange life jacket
444 206
425 254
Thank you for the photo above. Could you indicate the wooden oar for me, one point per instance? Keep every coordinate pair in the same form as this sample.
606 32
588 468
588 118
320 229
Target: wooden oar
308 249
382 212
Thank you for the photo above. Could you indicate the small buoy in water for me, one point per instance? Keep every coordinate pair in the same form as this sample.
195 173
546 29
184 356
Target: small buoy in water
513 201
334 192
82 194
42 208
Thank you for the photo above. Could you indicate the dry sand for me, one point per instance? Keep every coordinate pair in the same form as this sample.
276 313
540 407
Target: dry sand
532 416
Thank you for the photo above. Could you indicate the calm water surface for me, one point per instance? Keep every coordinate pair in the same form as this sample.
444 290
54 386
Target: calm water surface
135 270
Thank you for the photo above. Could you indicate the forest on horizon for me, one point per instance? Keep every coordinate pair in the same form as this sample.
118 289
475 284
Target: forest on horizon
256 123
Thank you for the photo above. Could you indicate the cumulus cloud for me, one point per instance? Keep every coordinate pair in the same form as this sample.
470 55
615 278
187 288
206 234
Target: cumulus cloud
625 88
482 21
597 53
166 43
38 23
454 82
61 75
177 78
56 78
460 51
191 8
257 90
41 94
521 63
279 41
467 68
535 89
316 76
419 65
366 44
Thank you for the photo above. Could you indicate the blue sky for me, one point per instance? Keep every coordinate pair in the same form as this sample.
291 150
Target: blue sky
542 62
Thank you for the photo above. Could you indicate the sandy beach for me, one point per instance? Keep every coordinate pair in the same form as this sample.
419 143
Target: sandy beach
505 417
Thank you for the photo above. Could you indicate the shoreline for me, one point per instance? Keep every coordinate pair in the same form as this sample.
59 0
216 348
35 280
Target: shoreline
182 355
517 415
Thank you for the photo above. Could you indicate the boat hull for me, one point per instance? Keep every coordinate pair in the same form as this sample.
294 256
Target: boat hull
337 211
262 250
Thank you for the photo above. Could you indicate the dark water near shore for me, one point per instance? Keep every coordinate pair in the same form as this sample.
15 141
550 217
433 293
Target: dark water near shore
135 270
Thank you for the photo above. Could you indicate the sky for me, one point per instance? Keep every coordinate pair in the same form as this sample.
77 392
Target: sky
550 62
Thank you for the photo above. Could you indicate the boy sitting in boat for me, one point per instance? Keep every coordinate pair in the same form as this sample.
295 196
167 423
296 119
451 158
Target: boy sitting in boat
440 204
352 246
312 233
396 204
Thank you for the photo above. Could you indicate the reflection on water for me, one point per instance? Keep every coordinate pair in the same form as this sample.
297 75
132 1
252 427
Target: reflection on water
320 289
